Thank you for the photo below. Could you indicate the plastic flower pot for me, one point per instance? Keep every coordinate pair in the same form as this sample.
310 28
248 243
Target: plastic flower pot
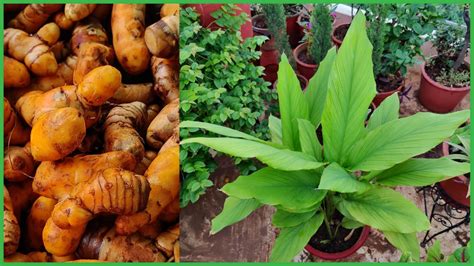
335 39
293 29
456 188
302 79
270 55
304 68
437 97
205 10
381 96
342 254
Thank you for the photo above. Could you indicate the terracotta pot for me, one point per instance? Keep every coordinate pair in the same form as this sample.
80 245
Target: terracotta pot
205 10
270 55
336 41
380 96
302 79
437 97
456 188
343 254
305 69
292 29
301 29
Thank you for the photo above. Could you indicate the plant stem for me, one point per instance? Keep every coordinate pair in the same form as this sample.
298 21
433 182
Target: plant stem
462 54
328 226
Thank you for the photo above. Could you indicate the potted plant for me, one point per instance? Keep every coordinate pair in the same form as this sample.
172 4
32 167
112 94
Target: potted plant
292 12
396 31
316 191
445 78
309 54
340 30
459 148
207 20
434 254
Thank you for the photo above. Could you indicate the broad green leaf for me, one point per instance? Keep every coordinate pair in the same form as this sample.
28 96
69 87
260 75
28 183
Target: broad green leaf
348 223
466 143
283 218
386 210
292 240
235 210
401 139
300 210
292 103
274 124
225 131
276 158
407 243
296 189
336 178
434 254
386 112
461 254
421 172
318 87
351 88
308 139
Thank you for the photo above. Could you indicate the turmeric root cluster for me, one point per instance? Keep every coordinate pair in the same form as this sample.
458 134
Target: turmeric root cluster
91 119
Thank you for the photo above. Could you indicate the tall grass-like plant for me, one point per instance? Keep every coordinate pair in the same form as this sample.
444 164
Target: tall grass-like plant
319 41
355 172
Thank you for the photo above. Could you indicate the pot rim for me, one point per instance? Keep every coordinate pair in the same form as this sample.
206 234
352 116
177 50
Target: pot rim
299 49
263 31
342 254
439 85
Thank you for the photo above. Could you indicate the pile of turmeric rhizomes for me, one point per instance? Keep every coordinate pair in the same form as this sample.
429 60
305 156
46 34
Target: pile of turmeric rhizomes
91 152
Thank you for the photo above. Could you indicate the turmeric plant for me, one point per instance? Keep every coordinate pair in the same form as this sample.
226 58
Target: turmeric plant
353 174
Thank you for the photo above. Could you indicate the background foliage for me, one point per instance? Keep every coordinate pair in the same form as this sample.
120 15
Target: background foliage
220 84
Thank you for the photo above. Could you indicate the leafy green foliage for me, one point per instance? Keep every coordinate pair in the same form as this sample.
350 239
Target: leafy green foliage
276 23
319 41
434 254
358 160
218 84
234 211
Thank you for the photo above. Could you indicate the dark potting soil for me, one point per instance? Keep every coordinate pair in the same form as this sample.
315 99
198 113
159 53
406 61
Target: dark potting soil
260 23
436 66
436 152
386 84
341 31
319 240
303 56
292 9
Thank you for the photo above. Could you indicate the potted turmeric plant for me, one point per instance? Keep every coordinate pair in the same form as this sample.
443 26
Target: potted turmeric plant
324 196
445 79
309 54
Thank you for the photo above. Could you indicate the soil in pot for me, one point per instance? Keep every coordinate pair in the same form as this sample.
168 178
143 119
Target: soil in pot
340 32
343 240
437 69
304 63
388 84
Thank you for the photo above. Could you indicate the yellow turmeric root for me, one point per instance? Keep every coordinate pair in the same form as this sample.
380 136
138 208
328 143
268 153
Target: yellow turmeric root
164 125
14 132
17 257
128 28
171 213
61 51
11 229
22 196
169 10
153 110
145 162
163 176
162 37
40 212
30 50
88 30
76 12
62 21
49 33
166 240
166 78
91 55
112 191
18 163
15 73
62 77
122 127
58 179
33 17
105 244
128 93
69 129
